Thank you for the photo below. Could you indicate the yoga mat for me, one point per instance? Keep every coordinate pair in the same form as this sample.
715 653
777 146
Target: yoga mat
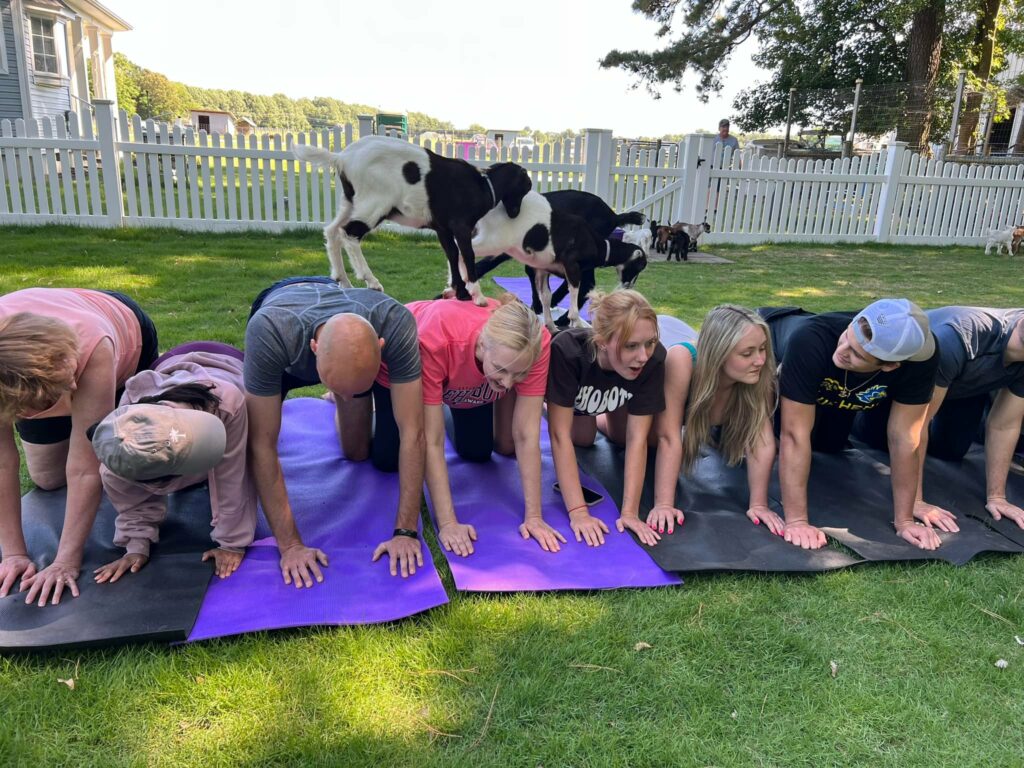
672 330
849 497
346 509
520 286
959 486
489 496
716 534
159 603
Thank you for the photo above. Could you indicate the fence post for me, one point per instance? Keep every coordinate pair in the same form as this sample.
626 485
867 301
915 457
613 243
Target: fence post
365 125
954 125
890 188
110 158
597 161
685 200
848 147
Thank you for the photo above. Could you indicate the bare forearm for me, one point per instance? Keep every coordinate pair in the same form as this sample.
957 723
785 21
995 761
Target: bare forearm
12 541
666 470
999 446
636 466
528 459
564 455
438 484
905 469
794 470
273 495
922 455
411 461
84 492
759 470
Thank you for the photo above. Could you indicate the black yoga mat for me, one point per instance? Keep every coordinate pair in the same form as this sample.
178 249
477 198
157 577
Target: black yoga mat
160 602
717 535
849 496
959 486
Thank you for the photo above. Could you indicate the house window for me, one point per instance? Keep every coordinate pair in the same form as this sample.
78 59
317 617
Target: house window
3 46
44 46
204 123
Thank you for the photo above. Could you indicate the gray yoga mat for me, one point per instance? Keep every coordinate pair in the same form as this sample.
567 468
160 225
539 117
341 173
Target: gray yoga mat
159 603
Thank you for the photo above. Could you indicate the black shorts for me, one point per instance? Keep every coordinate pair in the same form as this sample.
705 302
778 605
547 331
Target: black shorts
56 429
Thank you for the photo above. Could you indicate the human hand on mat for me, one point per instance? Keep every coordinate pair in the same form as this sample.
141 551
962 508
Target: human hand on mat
457 537
404 553
111 572
543 533
51 580
225 562
804 535
919 535
664 516
11 568
759 513
997 506
299 565
646 535
588 528
931 515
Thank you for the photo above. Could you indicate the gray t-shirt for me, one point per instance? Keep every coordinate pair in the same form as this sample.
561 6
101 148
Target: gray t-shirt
971 343
729 141
278 335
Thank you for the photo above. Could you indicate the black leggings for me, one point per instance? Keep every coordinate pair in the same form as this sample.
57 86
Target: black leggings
957 424
471 430
57 429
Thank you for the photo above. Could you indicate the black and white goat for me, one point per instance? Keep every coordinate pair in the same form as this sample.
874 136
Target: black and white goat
602 221
549 241
384 178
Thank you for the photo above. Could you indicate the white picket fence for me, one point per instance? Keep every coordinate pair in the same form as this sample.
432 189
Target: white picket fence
115 171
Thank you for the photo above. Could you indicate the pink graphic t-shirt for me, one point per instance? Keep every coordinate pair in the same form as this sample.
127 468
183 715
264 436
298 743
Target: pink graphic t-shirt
448 331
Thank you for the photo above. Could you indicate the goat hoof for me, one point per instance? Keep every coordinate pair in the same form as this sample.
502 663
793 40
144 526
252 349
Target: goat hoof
374 285
462 294
480 301
448 293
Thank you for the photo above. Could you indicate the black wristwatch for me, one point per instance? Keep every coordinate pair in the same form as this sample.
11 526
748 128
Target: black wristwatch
407 532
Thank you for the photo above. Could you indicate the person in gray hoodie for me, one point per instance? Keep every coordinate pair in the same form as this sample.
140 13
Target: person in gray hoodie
180 424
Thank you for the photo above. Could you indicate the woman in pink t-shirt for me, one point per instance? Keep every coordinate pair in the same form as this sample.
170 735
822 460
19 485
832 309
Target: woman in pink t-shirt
489 365
64 353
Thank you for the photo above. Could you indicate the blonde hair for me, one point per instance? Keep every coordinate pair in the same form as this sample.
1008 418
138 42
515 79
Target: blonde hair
749 404
614 315
34 355
514 326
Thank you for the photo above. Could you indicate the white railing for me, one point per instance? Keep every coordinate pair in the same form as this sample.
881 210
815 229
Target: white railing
126 172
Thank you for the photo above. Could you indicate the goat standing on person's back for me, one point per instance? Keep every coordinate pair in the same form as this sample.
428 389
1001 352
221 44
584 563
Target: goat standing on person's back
384 178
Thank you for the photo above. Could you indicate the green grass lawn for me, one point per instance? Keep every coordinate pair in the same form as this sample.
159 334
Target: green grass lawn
739 668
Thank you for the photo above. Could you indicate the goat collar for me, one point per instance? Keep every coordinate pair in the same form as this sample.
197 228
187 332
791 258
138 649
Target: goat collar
494 197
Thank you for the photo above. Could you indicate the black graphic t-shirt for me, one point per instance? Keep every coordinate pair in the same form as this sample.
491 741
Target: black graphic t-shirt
805 346
576 381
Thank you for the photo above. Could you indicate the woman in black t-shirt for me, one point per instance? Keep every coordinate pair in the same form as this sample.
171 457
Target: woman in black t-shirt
609 377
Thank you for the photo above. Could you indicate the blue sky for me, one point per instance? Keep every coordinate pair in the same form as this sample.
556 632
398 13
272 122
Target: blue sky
505 65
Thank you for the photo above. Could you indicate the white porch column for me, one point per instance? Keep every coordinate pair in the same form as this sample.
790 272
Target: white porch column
78 63
109 79
99 85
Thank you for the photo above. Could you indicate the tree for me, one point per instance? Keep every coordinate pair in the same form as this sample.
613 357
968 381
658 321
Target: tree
818 46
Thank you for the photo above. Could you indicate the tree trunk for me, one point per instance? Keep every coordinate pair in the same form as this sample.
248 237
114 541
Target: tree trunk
984 44
923 57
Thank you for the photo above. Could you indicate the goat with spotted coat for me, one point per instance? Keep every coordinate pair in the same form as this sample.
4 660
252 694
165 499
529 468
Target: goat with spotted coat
385 178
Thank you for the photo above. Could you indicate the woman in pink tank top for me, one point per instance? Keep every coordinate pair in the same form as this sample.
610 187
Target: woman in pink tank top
64 353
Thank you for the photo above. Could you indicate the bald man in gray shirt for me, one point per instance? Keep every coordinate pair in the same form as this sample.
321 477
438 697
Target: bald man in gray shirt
304 331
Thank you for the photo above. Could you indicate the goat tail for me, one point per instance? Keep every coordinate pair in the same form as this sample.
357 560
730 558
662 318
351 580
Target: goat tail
317 156
633 217
489 264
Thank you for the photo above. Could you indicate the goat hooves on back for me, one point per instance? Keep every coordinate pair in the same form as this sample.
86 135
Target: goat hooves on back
374 284
449 293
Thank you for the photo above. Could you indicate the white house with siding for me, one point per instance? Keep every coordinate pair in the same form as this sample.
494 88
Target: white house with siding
50 53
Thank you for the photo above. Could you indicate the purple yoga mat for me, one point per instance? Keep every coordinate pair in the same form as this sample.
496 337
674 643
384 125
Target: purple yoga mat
489 496
520 286
345 508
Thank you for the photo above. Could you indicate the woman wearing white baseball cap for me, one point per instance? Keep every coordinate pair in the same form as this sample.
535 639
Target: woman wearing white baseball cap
180 424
